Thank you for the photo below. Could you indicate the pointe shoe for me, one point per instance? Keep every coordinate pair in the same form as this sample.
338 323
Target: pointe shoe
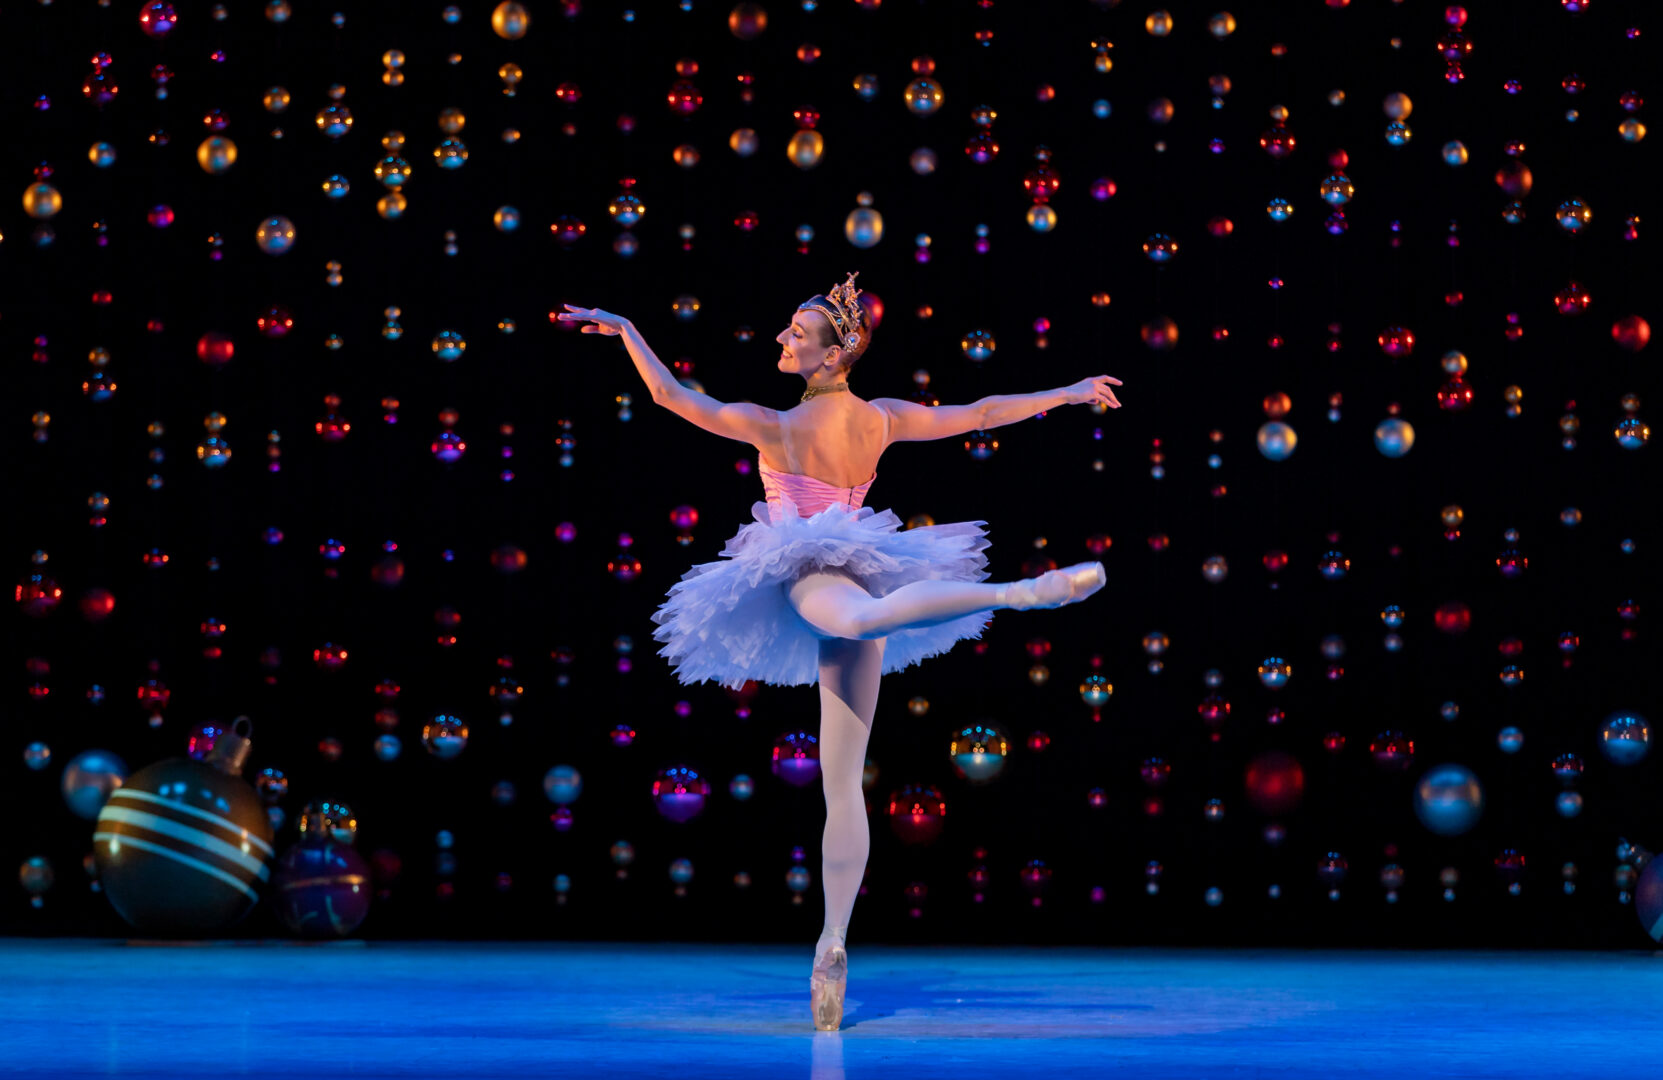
1055 588
827 983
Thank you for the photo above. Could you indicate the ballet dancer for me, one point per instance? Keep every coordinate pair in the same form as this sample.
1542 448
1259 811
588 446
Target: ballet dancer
821 589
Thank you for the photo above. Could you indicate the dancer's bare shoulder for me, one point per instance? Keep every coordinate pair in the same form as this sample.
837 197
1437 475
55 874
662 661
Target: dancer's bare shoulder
912 422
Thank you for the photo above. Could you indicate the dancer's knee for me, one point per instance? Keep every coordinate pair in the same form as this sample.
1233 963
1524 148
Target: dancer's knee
843 791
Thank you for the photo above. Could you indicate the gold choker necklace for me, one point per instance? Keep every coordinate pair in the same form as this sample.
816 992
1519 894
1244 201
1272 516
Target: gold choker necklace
811 391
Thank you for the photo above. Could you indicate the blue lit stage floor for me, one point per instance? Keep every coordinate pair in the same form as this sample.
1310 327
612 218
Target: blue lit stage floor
77 1007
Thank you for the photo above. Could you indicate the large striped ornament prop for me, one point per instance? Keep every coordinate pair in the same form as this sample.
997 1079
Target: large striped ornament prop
184 846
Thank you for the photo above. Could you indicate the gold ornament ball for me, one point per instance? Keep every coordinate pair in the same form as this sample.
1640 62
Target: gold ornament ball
42 200
510 20
863 227
1041 217
743 142
923 96
806 148
391 206
275 235
216 153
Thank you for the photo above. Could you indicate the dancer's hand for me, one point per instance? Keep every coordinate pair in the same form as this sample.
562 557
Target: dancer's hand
595 320
1094 391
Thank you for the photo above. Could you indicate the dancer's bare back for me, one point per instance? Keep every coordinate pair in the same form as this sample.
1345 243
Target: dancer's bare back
837 439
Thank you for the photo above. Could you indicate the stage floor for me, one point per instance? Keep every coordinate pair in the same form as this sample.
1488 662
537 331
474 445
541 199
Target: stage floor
79 1007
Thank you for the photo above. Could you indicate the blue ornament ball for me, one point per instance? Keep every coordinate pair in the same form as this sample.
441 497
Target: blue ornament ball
88 780
1625 737
1449 799
321 888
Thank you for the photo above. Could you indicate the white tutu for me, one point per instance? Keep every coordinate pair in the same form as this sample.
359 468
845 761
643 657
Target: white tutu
729 620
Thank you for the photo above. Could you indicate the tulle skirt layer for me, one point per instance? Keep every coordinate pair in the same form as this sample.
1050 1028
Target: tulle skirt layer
729 621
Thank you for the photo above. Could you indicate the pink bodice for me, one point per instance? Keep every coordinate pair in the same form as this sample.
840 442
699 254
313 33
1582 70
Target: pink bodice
810 495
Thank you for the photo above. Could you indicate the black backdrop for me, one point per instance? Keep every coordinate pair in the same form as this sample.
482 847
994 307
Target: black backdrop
1054 481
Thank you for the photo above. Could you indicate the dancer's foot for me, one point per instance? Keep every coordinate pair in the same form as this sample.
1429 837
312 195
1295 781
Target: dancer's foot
828 979
1055 588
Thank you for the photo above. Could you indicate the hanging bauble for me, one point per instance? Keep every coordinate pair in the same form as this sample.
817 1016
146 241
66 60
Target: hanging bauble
806 148
864 225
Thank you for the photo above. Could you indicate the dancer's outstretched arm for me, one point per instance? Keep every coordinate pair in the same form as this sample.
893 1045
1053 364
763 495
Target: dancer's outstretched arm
742 420
913 422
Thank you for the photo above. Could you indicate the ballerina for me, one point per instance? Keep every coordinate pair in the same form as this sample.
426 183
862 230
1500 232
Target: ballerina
821 589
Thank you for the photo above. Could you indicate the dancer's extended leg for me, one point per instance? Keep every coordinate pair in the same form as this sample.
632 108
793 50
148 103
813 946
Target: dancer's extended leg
837 606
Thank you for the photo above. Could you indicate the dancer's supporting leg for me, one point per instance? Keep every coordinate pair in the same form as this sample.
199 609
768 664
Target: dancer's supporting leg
849 673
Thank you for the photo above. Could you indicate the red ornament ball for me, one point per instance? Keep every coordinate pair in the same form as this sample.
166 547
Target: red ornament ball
873 304
1631 332
215 348
1453 618
157 19
1275 782
275 321
1397 341
917 813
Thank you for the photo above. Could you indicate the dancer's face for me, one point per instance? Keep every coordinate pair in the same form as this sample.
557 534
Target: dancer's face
802 345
